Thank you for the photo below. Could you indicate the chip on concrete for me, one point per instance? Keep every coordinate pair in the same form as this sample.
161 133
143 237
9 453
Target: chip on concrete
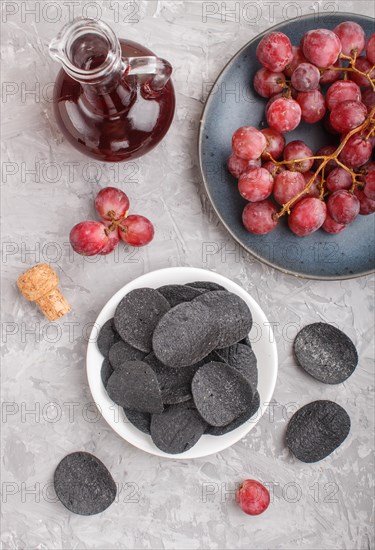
83 484
326 353
316 430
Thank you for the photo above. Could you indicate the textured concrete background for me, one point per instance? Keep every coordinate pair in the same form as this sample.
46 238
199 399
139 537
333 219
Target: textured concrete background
47 187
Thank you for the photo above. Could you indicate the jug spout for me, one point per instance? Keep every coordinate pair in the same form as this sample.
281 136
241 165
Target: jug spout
88 50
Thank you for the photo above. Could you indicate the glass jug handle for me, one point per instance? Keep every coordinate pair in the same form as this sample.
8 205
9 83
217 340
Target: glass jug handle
159 69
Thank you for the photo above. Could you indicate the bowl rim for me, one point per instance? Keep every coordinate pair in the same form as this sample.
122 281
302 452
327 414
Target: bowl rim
98 391
200 142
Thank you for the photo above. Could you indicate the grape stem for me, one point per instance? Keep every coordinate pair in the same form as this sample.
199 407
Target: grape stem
369 122
352 68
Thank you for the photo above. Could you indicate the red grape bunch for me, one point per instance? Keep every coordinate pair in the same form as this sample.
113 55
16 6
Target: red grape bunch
330 79
92 237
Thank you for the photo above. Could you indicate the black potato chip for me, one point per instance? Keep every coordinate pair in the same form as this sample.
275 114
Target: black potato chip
242 358
175 384
206 285
185 335
137 315
221 393
134 385
140 420
122 352
83 484
252 408
316 430
177 429
230 313
326 353
106 371
107 337
177 294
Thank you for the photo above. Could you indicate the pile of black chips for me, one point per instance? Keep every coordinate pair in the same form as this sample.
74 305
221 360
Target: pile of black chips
179 362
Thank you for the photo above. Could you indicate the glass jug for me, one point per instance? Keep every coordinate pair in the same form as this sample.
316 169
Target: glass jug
113 98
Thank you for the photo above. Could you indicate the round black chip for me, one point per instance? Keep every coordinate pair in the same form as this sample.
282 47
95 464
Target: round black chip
140 420
177 294
316 430
252 408
122 352
242 358
137 315
83 484
107 337
177 429
106 371
206 285
221 393
175 384
134 385
185 335
230 313
326 353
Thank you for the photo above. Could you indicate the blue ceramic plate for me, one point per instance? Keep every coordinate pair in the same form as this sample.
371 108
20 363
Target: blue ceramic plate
233 103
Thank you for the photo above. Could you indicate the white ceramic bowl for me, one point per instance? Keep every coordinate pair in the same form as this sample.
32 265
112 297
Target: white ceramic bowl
263 344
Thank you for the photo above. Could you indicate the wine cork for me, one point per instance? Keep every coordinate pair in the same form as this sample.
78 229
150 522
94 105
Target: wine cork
39 284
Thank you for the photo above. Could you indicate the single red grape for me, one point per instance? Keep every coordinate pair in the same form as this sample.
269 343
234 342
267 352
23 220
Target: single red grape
357 151
253 497
330 75
274 51
273 168
325 151
305 77
348 115
283 114
340 91
364 65
255 185
136 230
370 49
257 217
113 239
267 83
88 238
352 37
321 47
330 226
367 206
296 60
248 143
275 143
343 207
307 216
369 188
368 98
313 106
237 165
339 179
111 203
295 150
287 185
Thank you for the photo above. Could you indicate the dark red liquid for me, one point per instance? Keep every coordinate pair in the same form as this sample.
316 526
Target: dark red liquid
118 123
